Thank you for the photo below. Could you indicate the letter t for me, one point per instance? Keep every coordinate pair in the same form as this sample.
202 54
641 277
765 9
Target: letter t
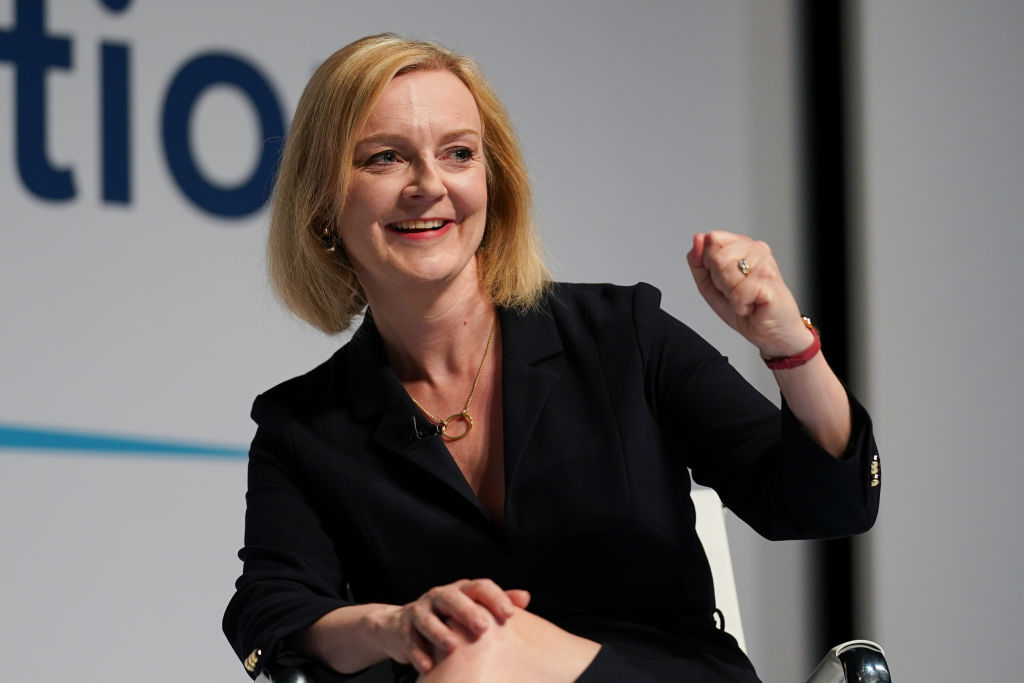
33 52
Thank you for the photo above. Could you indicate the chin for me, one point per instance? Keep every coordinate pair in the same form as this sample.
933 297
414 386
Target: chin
442 273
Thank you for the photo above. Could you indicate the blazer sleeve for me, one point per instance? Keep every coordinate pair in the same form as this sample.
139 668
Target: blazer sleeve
291 572
759 459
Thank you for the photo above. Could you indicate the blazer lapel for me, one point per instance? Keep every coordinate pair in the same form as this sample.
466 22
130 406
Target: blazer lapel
527 381
400 429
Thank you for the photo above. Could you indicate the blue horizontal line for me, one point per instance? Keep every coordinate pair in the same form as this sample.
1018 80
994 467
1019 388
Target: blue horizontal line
12 437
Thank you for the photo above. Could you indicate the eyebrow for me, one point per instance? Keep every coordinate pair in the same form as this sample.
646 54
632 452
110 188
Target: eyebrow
394 139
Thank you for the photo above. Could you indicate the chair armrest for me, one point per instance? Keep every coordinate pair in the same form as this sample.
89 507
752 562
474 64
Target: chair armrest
858 661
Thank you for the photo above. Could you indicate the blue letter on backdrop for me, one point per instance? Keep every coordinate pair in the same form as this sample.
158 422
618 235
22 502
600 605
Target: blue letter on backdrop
116 126
190 82
33 52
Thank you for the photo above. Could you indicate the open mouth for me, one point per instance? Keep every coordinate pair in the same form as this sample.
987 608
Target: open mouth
419 226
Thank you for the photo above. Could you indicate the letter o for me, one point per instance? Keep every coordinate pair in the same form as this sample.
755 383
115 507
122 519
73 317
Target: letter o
188 84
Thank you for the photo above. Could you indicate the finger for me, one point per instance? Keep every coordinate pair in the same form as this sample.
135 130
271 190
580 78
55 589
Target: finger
762 285
757 255
723 263
519 597
429 627
419 653
720 239
420 660
412 647
491 596
455 603
694 257
746 296
701 275
711 294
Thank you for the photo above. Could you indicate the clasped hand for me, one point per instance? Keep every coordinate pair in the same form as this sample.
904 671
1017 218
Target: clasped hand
419 632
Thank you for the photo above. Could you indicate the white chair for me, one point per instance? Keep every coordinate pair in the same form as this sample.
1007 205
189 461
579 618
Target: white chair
711 531
860 661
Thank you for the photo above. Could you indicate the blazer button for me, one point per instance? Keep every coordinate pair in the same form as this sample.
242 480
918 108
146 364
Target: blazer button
252 660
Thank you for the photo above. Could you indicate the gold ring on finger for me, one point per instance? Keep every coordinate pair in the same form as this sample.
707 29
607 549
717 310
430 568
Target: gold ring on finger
743 266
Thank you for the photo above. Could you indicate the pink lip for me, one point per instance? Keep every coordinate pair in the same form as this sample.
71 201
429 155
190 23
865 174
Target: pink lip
425 234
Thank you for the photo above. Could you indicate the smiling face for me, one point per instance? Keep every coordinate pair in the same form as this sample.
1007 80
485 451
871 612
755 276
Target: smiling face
416 205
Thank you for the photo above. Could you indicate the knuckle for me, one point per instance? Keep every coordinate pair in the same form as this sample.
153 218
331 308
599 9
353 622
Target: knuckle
433 631
418 615
718 260
409 640
431 615
737 298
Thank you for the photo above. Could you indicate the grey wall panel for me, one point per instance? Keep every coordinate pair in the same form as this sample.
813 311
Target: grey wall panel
943 159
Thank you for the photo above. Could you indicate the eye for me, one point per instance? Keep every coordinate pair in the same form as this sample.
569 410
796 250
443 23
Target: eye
382 158
461 154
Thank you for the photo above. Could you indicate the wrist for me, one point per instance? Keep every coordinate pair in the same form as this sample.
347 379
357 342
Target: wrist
808 349
345 638
378 621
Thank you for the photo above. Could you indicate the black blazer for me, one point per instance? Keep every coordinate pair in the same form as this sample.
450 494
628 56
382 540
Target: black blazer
607 401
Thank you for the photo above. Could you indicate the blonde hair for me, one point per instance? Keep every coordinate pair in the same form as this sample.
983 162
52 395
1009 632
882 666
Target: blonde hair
320 286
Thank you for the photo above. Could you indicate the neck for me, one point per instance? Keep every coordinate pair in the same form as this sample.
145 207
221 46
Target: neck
435 338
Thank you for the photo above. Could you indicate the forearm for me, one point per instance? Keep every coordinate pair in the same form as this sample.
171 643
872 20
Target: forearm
819 402
347 639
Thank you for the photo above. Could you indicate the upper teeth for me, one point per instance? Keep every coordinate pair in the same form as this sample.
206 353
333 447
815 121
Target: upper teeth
418 225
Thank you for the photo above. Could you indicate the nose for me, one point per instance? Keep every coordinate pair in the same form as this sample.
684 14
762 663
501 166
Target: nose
426 182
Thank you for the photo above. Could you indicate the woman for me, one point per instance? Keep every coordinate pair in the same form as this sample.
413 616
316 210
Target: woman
489 441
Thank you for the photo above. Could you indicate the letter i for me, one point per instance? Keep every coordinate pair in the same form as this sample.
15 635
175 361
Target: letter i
115 116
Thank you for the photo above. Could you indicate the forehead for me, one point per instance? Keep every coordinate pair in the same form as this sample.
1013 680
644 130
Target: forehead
423 100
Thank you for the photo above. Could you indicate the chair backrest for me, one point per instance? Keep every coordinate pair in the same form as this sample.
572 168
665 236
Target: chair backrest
711 530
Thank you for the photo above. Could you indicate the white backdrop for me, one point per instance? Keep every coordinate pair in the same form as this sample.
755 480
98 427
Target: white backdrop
943 159
151 319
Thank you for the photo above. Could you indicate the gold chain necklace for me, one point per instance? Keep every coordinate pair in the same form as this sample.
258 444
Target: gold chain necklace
464 414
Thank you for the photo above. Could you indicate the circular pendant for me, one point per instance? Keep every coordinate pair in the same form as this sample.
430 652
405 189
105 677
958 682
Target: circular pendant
464 418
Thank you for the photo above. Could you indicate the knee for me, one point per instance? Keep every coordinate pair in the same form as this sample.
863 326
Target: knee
490 657
524 647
